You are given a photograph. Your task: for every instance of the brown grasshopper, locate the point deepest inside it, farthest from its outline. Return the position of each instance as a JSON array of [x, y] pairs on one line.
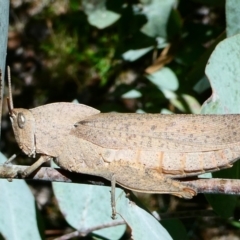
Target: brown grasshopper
[[141, 152]]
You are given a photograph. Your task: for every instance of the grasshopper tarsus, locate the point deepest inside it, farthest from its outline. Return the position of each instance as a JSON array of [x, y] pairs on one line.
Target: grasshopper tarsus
[[113, 200]]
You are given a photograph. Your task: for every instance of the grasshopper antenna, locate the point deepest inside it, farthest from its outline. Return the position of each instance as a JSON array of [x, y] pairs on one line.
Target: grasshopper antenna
[[9, 98]]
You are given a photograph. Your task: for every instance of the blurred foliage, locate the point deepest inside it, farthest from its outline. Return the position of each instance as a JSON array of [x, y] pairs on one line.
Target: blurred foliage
[[119, 56]]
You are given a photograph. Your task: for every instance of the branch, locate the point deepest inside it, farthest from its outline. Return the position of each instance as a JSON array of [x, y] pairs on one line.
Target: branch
[[212, 185], [9, 171], [216, 185], [89, 230]]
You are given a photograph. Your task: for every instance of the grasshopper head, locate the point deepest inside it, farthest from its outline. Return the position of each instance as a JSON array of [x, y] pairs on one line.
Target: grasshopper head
[[23, 125]]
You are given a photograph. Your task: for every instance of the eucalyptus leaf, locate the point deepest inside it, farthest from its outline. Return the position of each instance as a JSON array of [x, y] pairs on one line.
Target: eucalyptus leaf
[[164, 78], [132, 94], [133, 55], [86, 206], [98, 15], [202, 85], [223, 73], [166, 111], [17, 210], [102, 18], [233, 17], [186, 103], [157, 13], [144, 225]]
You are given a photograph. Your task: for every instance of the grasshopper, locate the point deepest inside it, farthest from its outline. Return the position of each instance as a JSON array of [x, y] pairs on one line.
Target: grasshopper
[[141, 152]]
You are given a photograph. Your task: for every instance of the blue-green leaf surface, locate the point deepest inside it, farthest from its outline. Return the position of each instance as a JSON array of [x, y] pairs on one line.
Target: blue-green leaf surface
[[233, 17], [86, 206], [157, 13], [98, 15], [133, 55], [164, 78], [187, 104], [132, 94], [223, 73], [144, 225], [17, 210]]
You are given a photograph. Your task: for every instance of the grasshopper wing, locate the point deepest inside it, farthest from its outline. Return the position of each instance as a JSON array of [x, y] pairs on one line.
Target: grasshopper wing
[[177, 133], [150, 148]]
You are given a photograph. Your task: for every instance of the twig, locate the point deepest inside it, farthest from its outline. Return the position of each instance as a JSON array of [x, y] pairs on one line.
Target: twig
[[213, 185], [216, 185], [89, 230], [8, 171]]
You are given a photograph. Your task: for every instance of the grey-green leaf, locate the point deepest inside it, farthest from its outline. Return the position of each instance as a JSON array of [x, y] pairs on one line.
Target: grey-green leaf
[[164, 78], [144, 225], [157, 13], [87, 206], [17, 210], [132, 94], [133, 55], [98, 15], [233, 17], [223, 72]]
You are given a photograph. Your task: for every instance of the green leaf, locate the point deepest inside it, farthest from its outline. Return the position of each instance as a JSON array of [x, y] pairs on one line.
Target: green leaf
[[202, 85], [175, 228], [186, 103], [98, 15], [102, 18], [164, 78], [17, 210], [133, 55], [233, 17], [166, 111], [157, 13], [87, 206], [132, 94], [144, 225], [197, 71], [223, 73], [174, 24], [223, 205]]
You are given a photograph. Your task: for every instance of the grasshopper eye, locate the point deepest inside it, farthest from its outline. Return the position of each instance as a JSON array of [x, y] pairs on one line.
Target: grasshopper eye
[[21, 120]]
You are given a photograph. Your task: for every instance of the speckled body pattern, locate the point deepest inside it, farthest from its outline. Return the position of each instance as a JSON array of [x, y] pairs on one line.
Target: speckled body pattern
[[145, 152]]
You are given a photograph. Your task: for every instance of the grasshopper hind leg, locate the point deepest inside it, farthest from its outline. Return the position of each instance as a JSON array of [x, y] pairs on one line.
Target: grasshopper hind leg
[[140, 179]]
